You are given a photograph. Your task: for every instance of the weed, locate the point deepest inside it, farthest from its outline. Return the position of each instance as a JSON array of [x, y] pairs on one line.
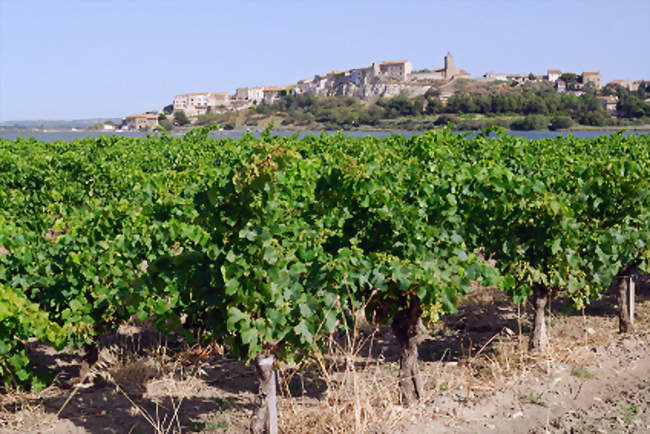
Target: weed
[[531, 398], [582, 372], [222, 405], [628, 412], [210, 425]]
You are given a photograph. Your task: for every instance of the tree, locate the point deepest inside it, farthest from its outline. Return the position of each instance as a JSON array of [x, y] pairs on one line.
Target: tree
[[571, 80], [532, 76], [631, 106], [263, 108], [434, 105], [166, 124], [180, 118], [596, 118], [535, 105]]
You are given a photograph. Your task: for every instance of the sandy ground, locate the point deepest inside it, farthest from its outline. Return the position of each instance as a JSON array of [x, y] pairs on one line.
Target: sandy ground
[[479, 378]]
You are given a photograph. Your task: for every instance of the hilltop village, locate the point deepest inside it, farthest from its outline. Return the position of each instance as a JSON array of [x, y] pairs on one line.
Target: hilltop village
[[380, 80]]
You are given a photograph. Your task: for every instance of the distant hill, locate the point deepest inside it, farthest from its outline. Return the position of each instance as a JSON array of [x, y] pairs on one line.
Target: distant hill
[[76, 123]]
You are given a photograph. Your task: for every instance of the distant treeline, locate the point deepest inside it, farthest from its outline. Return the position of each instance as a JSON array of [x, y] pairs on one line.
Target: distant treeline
[[539, 103]]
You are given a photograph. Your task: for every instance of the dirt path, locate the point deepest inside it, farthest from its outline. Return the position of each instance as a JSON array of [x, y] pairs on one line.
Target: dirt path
[[612, 397]]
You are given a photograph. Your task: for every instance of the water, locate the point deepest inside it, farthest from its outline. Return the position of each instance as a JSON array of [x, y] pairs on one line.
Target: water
[[71, 135]]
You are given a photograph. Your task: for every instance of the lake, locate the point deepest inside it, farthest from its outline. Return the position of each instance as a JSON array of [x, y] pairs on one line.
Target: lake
[[71, 135]]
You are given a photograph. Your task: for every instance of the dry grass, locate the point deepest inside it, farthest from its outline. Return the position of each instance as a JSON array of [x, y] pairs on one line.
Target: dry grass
[[361, 388], [363, 397]]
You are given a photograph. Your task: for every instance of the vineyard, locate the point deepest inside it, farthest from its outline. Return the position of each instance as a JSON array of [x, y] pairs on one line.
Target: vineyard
[[273, 247]]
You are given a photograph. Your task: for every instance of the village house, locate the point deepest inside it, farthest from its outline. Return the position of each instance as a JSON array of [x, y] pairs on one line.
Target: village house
[[609, 102], [495, 76], [398, 69], [592, 77], [553, 75], [251, 94], [272, 93], [627, 84], [307, 85], [142, 121], [199, 103], [518, 78], [191, 103], [361, 76], [219, 100]]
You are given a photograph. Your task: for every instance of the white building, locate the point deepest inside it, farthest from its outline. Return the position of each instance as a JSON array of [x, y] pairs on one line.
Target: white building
[[553, 75], [496, 76], [198, 103], [251, 94]]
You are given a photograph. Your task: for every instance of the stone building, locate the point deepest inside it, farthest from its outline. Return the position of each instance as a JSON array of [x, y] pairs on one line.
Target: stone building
[[397, 69], [251, 94], [609, 102], [592, 77], [193, 104], [199, 103], [448, 72], [272, 93], [219, 100], [143, 121], [362, 76], [627, 84]]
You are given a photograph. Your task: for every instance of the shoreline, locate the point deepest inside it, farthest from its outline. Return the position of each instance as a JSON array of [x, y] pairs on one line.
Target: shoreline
[[581, 128]]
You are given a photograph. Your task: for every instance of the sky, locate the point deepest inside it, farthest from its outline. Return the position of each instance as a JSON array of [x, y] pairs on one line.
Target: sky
[[69, 59]]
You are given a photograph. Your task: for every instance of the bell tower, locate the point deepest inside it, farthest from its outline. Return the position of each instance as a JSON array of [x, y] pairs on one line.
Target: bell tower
[[449, 66]]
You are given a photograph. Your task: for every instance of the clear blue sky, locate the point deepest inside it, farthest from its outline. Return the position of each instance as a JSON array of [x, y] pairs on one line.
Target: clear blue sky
[[70, 59]]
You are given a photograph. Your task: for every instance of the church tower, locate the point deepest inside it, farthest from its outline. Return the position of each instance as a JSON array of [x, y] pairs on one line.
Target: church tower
[[449, 66]]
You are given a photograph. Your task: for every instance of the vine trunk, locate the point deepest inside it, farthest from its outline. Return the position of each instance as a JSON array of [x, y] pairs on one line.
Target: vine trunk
[[265, 415], [407, 326], [539, 339]]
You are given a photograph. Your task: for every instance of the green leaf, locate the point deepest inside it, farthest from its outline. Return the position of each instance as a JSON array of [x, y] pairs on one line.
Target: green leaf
[[270, 255], [303, 330], [249, 234], [234, 316]]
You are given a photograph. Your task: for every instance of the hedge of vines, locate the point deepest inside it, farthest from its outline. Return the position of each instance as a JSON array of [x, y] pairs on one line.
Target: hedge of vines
[[270, 243]]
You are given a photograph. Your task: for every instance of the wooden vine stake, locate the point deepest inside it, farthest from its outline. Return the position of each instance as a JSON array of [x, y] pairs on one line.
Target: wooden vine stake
[[631, 286]]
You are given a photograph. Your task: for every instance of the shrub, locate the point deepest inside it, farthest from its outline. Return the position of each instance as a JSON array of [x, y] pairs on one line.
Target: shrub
[[560, 123], [445, 119], [595, 118], [530, 122]]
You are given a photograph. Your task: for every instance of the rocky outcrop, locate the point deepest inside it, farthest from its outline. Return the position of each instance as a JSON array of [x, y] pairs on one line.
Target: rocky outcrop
[[375, 90]]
